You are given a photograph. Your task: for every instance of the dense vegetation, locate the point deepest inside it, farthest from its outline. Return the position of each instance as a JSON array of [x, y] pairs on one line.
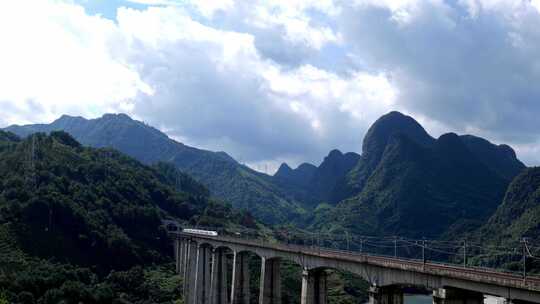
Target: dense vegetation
[[81, 224], [516, 218], [519, 214]]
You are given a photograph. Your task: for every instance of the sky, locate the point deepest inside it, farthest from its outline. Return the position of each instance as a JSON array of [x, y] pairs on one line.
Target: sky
[[272, 81]]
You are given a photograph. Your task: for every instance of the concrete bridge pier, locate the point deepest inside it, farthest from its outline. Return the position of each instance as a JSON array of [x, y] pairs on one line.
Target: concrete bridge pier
[[202, 276], [177, 258], [190, 271], [240, 292], [179, 254], [314, 287], [457, 296], [385, 295], [218, 285], [270, 288]]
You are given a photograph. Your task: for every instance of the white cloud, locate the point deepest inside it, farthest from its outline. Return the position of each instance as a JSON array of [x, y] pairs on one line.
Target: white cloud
[[243, 102], [59, 59], [469, 66], [278, 80], [297, 24]]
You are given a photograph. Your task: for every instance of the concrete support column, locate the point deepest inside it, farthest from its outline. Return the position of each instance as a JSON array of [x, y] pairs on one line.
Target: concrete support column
[[202, 276], [385, 295], [456, 296], [184, 255], [176, 249], [314, 287], [190, 271], [240, 293], [179, 256], [218, 285], [270, 288]]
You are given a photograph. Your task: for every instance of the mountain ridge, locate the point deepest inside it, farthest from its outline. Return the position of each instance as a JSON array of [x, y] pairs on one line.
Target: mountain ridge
[[409, 183], [340, 178], [227, 179]]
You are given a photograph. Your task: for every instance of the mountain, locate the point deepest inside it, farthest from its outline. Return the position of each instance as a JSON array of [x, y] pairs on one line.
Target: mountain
[[226, 179], [299, 177], [313, 185], [452, 183], [408, 183], [326, 181], [77, 224], [375, 142]]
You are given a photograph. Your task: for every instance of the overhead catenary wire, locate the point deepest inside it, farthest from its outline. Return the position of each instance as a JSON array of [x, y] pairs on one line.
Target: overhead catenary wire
[[463, 252]]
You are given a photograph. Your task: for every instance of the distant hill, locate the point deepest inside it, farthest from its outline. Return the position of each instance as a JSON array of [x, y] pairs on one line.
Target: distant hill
[[226, 178], [408, 183], [314, 185], [298, 177]]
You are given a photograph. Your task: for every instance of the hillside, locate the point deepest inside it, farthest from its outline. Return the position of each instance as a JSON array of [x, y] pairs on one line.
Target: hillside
[[499, 158], [226, 179], [78, 222], [408, 183], [519, 214]]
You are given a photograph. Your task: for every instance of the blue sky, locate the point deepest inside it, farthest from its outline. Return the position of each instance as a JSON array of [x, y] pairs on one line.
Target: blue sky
[[106, 8], [272, 81]]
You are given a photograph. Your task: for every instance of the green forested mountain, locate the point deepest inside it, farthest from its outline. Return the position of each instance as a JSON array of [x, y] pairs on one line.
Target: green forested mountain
[[375, 142], [408, 183], [450, 184], [77, 223], [226, 178]]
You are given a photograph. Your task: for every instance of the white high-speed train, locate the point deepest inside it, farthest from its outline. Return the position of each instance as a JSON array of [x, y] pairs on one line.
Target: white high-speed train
[[173, 226], [199, 231]]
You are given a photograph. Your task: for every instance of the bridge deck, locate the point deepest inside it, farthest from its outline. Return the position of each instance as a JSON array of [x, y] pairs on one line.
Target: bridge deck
[[488, 276]]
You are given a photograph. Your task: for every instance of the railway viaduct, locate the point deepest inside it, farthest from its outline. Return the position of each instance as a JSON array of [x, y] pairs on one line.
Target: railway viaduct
[[202, 260]]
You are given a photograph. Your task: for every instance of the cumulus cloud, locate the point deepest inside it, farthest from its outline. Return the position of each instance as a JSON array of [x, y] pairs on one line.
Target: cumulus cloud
[[272, 81], [54, 58], [214, 89], [207, 86]]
